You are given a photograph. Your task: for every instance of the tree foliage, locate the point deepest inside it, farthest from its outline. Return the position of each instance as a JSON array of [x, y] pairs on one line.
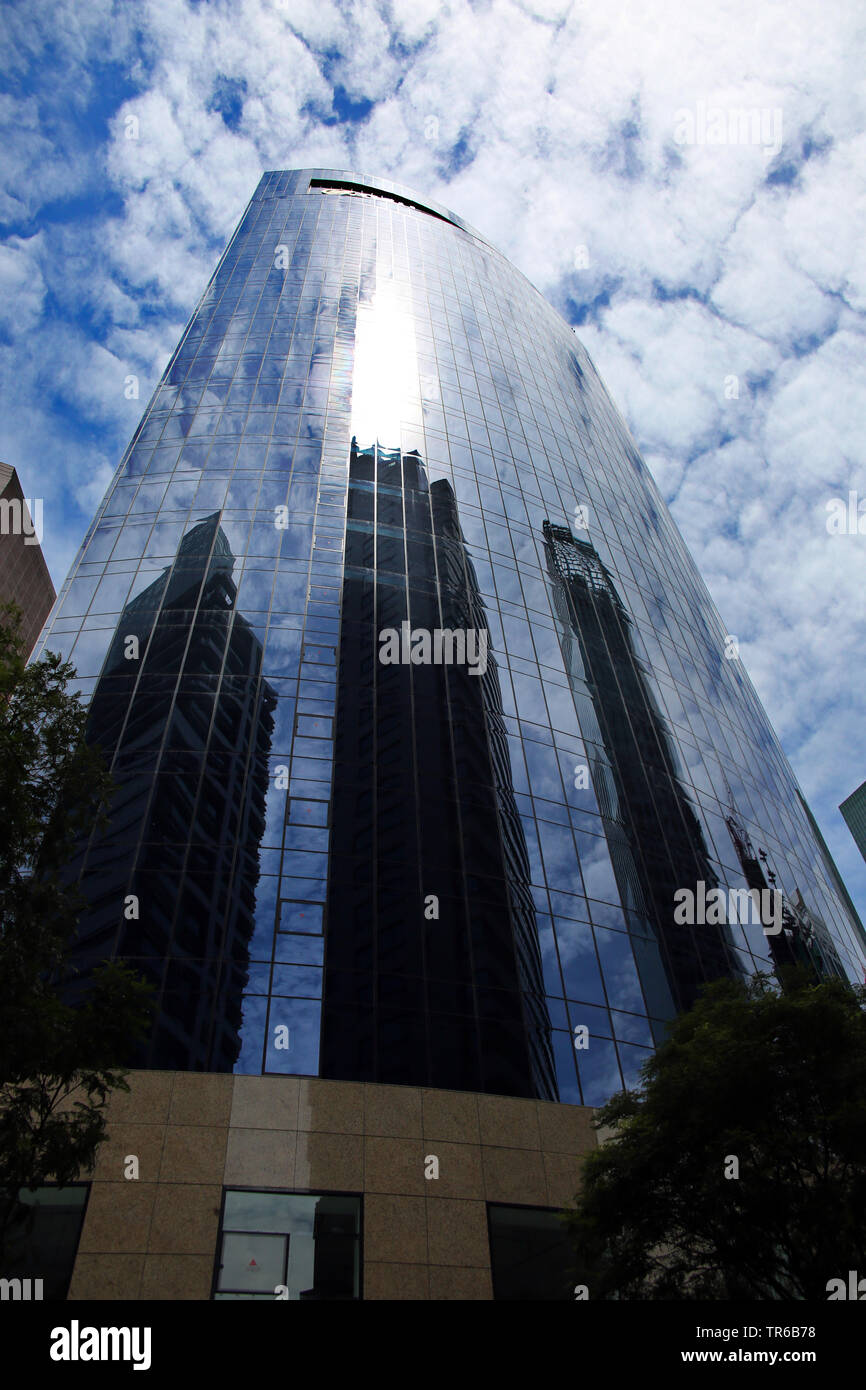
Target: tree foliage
[[772, 1078], [58, 1063]]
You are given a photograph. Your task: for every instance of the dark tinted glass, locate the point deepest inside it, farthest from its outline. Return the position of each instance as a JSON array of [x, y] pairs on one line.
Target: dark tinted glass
[[40, 1238], [294, 1246], [529, 1254]]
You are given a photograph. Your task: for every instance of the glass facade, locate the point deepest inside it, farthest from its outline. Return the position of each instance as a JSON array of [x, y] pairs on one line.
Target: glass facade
[[40, 1234], [853, 809], [531, 1257], [298, 1247], [419, 711]]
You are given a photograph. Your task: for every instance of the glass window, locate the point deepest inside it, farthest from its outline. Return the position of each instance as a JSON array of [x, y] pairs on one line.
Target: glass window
[[530, 1255], [295, 1246], [41, 1231]]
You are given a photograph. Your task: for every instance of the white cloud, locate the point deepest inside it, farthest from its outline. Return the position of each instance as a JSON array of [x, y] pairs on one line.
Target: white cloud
[[565, 118], [22, 287]]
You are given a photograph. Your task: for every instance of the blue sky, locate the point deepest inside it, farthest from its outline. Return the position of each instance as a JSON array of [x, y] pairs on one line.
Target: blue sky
[[686, 183]]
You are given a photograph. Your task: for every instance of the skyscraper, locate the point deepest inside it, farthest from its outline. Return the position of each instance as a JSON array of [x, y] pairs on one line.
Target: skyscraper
[[421, 718]]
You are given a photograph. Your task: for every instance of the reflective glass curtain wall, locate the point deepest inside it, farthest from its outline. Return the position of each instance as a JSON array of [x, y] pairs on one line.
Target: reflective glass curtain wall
[[409, 870]]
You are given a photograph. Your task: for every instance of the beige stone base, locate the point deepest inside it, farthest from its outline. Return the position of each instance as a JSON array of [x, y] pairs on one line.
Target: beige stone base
[[422, 1238]]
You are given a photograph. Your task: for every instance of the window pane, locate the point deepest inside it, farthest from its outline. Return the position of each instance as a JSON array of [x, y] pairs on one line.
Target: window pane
[[530, 1255], [42, 1238], [309, 1243], [252, 1263]]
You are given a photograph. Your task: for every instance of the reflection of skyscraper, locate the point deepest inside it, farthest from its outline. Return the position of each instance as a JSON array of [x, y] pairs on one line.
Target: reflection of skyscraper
[[435, 923], [433, 968], [802, 937], [184, 718], [656, 842]]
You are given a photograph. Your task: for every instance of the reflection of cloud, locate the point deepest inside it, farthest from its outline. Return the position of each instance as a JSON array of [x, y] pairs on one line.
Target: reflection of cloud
[[702, 262], [275, 811], [632, 1059], [596, 868], [560, 858], [618, 967], [580, 970], [254, 1012], [599, 1071], [302, 1017]]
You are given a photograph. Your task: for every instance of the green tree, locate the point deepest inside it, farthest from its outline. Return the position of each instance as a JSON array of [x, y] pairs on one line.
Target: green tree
[[58, 1063], [763, 1082]]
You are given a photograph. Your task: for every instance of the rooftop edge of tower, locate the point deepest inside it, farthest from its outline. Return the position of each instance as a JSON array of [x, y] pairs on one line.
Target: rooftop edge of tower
[[299, 181]]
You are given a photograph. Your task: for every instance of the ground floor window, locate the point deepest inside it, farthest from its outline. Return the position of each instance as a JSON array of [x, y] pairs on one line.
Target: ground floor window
[[39, 1234], [530, 1255], [289, 1245]]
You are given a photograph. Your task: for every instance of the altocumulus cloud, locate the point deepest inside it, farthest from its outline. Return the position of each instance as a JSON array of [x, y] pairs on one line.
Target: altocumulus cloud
[[721, 288]]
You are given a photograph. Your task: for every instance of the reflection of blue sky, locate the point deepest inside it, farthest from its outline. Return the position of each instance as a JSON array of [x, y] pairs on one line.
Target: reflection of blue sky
[[283, 717], [560, 859], [599, 1071], [306, 889], [547, 947], [543, 766], [595, 865], [301, 916], [282, 651], [632, 1059], [254, 593], [258, 977], [631, 1028], [90, 650], [563, 1053], [293, 948], [536, 871], [569, 905], [297, 980], [262, 939], [275, 812], [302, 1017], [254, 1012], [551, 811], [306, 837], [305, 863], [580, 968], [266, 901], [592, 1016], [290, 591], [620, 971], [314, 770]]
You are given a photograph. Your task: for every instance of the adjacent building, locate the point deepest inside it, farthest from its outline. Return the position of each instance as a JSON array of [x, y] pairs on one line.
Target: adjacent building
[[421, 716], [853, 809], [24, 577]]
